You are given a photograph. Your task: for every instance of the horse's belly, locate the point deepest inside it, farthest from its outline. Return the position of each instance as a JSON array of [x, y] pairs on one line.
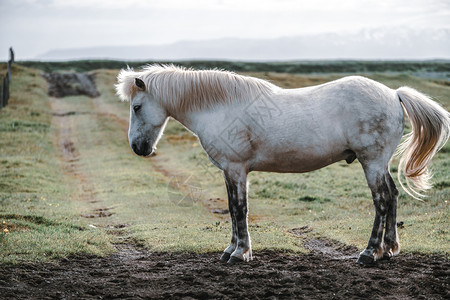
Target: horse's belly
[[299, 161]]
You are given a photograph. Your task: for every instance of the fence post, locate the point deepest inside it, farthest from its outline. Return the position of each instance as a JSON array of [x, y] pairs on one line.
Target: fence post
[[1, 94], [4, 86], [11, 55], [8, 72], [5, 91]]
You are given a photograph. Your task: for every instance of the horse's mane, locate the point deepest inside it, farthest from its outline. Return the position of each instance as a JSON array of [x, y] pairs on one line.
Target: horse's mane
[[188, 89]]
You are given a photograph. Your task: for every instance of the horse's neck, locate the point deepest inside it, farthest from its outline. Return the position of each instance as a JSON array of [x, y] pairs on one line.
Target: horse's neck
[[189, 120], [180, 116], [200, 121]]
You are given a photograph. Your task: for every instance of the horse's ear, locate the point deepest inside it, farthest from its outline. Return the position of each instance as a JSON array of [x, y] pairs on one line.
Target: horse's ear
[[140, 84]]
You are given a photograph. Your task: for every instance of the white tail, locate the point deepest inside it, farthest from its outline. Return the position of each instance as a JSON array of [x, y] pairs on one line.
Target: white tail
[[430, 131]]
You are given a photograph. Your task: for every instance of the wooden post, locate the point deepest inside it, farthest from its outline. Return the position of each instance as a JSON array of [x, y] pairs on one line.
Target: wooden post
[[10, 62], [8, 82], [1, 94], [5, 91], [11, 55], [8, 72], [4, 87]]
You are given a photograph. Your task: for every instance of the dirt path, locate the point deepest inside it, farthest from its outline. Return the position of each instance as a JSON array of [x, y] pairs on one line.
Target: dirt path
[[64, 120]]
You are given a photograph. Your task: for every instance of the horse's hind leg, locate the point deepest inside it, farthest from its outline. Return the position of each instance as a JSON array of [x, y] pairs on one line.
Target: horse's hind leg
[[377, 176], [391, 242]]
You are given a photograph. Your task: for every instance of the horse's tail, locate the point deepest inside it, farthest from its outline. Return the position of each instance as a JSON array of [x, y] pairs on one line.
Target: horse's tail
[[430, 131]]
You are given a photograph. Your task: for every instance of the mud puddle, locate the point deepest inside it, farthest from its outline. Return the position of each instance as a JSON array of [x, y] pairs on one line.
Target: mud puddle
[[321, 246]]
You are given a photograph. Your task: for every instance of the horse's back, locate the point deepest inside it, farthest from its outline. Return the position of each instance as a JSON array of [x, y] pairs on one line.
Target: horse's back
[[346, 92], [323, 124], [350, 102]]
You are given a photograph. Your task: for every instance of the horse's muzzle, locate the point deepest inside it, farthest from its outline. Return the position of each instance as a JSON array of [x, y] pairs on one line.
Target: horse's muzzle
[[143, 149]]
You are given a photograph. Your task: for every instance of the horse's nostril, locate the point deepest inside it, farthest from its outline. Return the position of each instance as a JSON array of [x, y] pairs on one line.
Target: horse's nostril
[[145, 148], [141, 149]]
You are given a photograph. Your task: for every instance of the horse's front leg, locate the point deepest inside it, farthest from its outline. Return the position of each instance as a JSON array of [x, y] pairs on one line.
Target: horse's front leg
[[240, 247], [230, 249]]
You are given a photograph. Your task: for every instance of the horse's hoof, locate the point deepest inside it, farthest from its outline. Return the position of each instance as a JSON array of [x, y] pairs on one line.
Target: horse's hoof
[[234, 261], [365, 260], [225, 257], [386, 257]]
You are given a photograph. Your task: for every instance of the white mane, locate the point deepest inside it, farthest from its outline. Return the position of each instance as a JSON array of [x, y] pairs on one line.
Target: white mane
[[188, 89]]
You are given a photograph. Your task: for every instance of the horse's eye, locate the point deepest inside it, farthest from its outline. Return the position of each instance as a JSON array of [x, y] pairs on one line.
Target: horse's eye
[[136, 107]]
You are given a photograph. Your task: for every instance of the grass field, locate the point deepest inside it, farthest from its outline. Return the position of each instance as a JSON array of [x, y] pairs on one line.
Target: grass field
[[70, 184]]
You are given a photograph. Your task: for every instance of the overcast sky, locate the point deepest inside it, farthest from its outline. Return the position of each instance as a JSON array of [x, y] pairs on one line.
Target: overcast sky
[[33, 27]]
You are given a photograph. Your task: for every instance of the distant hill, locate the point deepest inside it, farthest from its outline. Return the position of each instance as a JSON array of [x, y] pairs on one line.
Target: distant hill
[[380, 43]]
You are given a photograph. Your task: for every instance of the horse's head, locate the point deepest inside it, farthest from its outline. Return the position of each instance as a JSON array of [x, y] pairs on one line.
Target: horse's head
[[147, 120]]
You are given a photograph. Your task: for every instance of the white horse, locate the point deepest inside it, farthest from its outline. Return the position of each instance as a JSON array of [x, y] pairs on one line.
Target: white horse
[[247, 124]]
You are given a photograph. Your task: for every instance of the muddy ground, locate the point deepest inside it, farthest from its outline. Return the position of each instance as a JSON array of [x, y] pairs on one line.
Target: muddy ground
[[138, 274]]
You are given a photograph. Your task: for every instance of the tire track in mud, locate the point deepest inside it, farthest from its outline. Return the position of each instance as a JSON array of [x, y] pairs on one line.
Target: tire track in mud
[[328, 248], [64, 121]]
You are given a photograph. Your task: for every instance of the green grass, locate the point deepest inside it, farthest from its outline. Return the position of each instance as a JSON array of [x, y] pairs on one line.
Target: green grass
[[37, 219], [42, 199]]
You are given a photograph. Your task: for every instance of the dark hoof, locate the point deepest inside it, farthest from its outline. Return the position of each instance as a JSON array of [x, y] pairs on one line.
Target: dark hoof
[[225, 257], [366, 260], [234, 261], [386, 257]]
